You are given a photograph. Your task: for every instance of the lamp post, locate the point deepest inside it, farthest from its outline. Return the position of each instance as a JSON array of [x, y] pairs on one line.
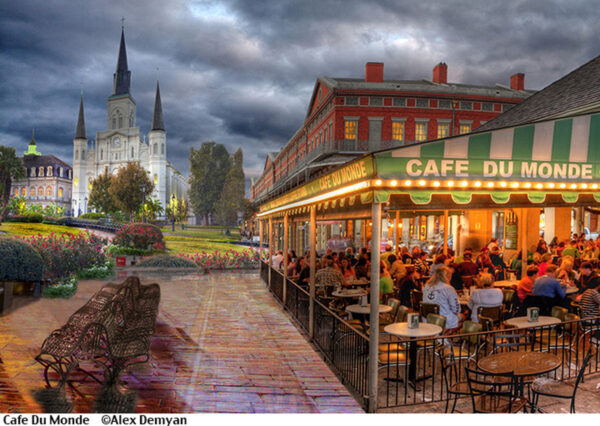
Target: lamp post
[[173, 210], [144, 202]]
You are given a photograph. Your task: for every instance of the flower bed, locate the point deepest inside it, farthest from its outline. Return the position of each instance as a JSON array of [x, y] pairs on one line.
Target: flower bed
[[141, 236], [229, 259]]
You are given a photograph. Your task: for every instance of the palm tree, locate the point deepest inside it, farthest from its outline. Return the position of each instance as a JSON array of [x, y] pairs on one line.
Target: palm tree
[[11, 168]]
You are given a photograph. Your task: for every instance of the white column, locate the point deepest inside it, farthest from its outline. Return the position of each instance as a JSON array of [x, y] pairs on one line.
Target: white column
[[446, 232], [285, 255], [374, 314], [270, 248], [313, 267], [549, 223]]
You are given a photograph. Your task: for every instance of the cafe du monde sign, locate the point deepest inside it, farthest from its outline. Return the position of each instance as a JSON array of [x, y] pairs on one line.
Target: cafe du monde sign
[[493, 169]]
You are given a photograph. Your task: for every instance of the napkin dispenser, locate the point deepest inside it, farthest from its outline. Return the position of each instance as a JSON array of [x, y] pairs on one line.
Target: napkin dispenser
[[413, 320], [364, 300], [533, 314]]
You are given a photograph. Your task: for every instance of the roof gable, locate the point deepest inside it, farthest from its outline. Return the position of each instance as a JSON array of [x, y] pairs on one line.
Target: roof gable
[[320, 92]]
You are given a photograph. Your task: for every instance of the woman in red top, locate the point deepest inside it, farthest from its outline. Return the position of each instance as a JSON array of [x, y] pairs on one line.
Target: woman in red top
[[347, 269], [525, 286]]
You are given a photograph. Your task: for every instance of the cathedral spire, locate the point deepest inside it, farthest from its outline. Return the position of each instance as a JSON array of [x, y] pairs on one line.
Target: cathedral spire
[[157, 118], [122, 76], [80, 130]]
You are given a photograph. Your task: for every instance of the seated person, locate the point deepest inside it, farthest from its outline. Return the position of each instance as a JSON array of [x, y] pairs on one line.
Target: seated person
[[588, 278], [590, 303], [387, 253], [398, 270], [437, 291], [525, 286], [408, 283], [467, 267], [485, 295], [362, 269], [546, 260], [421, 264], [386, 284], [347, 269], [484, 263], [566, 272], [329, 276], [499, 265], [548, 286]]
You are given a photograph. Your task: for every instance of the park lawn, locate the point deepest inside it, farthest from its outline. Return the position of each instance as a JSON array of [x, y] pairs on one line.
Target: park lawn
[[29, 229], [191, 245], [205, 232]]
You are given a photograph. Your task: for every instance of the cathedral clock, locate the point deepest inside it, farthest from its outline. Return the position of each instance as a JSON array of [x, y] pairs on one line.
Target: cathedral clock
[[116, 142]]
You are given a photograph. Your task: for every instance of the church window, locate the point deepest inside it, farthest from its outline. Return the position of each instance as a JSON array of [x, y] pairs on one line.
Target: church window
[[155, 179], [116, 156], [41, 171], [155, 149], [83, 154], [120, 122], [24, 192], [49, 171], [132, 153], [16, 192], [114, 123], [49, 191], [60, 192], [32, 191], [40, 192], [162, 148], [76, 154], [101, 154]]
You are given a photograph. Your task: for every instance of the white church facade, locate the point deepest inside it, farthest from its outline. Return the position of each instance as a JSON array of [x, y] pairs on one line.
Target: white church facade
[[120, 144]]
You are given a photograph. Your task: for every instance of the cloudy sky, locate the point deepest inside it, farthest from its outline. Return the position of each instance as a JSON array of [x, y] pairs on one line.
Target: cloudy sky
[[241, 72]]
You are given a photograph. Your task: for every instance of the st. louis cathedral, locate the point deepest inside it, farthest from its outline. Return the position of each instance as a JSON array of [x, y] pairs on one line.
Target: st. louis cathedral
[[120, 143]]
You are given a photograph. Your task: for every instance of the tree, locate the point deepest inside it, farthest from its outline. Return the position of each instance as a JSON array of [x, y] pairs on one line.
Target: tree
[[182, 211], [129, 188], [152, 209], [100, 196], [208, 167], [231, 200], [11, 168]]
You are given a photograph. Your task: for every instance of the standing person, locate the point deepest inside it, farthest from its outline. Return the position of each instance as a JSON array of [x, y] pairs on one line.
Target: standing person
[[485, 295], [525, 286], [438, 291], [484, 262]]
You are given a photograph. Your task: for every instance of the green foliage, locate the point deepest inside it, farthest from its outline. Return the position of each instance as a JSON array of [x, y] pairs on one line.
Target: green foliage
[[17, 205], [28, 229], [93, 216], [129, 188], [231, 199], [97, 271], [209, 166], [20, 261], [63, 290], [143, 236], [27, 218], [11, 169], [152, 209], [113, 250], [166, 261], [101, 198]]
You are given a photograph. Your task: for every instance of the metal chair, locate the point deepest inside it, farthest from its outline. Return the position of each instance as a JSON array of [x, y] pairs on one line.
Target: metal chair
[[495, 313], [494, 392], [508, 296], [558, 388], [511, 339], [428, 308]]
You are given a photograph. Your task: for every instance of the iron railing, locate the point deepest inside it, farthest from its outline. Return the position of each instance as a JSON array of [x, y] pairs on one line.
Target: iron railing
[[440, 362], [297, 302]]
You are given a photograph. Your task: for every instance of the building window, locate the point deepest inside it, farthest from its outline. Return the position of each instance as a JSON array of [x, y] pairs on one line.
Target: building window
[[444, 104], [397, 130], [60, 172], [376, 101], [41, 172], [76, 154], [116, 155], [16, 192], [40, 192], [60, 192], [466, 105], [162, 148], [155, 149], [487, 106], [49, 171], [443, 130], [83, 154], [132, 153], [155, 179], [464, 128], [350, 130], [422, 103], [24, 192], [399, 102], [70, 173], [114, 123], [351, 100], [49, 191], [420, 131], [101, 154], [120, 122], [506, 107]]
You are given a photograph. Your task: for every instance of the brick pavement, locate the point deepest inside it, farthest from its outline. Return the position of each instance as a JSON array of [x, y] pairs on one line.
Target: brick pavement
[[222, 345]]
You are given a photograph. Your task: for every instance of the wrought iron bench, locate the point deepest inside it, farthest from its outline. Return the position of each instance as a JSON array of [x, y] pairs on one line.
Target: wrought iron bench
[[113, 329]]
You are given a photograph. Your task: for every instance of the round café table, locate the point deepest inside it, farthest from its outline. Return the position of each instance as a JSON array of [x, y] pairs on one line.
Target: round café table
[[505, 284], [363, 311], [349, 293], [571, 290], [401, 329], [522, 322], [521, 363]]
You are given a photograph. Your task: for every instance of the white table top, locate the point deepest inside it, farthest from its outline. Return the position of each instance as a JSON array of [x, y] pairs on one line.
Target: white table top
[[349, 293], [572, 289], [505, 283], [359, 282], [357, 309], [401, 329], [521, 322]]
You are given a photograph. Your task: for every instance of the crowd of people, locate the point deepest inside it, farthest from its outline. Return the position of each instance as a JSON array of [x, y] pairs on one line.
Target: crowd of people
[[551, 269]]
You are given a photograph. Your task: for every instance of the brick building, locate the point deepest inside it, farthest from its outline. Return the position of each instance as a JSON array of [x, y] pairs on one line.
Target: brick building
[[348, 117]]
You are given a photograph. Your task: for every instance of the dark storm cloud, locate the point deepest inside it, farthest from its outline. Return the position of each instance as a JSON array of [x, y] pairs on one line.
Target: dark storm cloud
[[242, 72]]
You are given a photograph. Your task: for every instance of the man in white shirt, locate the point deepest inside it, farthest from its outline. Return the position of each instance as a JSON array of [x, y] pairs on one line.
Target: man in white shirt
[[277, 259], [487, 296]]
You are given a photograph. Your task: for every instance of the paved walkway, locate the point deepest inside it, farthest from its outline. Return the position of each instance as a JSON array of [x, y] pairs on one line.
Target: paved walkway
[[222, 345]]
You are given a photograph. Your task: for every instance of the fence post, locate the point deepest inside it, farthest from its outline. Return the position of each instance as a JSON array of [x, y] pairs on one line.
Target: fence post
[[313, 267], [374, 314]]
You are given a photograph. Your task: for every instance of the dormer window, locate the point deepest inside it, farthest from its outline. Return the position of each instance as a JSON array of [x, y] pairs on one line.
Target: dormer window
[[41, 172], [49, 171]]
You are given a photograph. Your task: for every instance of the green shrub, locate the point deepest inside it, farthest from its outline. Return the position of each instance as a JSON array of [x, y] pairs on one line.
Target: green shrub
[[63, 290], [97, 271], [113, 250], [167, 261], [19, 261], [94, 216], [27, 218], [143, 236]]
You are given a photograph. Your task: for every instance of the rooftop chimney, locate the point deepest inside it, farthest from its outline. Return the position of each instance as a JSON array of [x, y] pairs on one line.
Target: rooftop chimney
[[374, 72], [440, 73], [517, 81]]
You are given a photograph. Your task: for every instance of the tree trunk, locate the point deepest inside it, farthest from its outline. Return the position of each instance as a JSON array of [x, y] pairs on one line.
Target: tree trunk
[[5, 194]]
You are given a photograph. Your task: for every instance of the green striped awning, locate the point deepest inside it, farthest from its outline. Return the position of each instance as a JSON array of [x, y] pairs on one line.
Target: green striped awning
[[562, 150]]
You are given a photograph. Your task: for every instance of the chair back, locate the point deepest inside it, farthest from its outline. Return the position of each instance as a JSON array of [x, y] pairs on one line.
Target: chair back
[[541, 302], [470, 327], [437, 320], [559, 312], [491, 392], [401, 314], [492, 312], [507, 296], [429, 308], [416, 297], [576, 308], [486, 323], [511, 340], [394, 304], [584, 366]]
